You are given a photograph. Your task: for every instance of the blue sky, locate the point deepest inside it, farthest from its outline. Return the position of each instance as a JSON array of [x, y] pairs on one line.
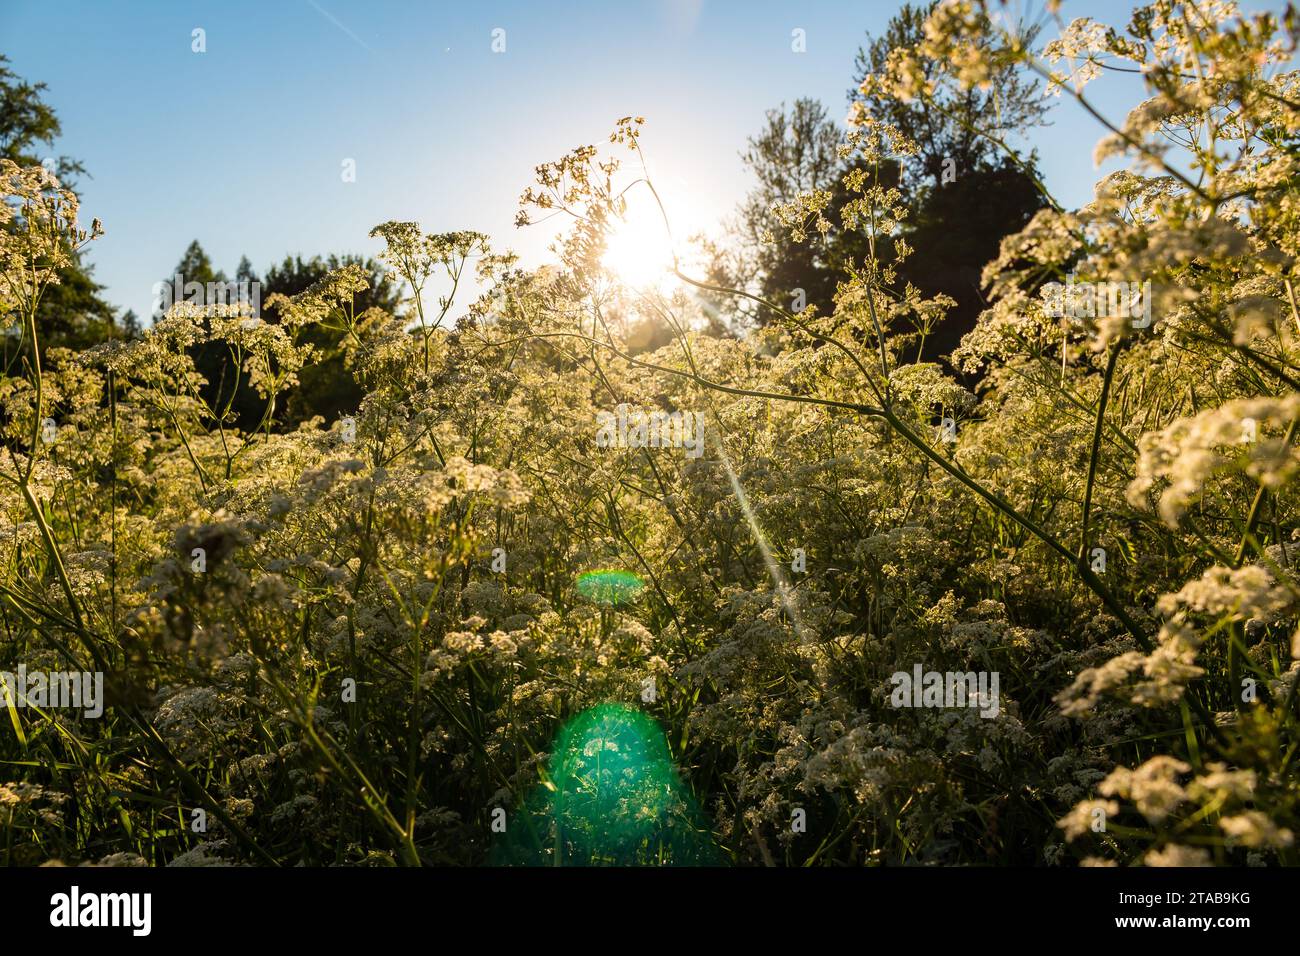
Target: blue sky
[[242, 146]]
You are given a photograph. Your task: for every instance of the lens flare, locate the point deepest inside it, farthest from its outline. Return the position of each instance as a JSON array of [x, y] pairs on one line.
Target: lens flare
[[610, 587], [612, 797]]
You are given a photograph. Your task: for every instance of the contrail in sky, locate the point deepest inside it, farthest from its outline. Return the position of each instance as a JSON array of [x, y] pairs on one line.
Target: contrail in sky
[[331, 18]]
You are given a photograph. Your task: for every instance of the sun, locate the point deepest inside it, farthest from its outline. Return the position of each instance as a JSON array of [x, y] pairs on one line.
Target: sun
[[638, 252]]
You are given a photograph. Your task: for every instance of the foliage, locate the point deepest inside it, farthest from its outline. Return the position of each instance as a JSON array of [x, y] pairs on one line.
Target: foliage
[[963, 190], [346, 663], [72, 312]]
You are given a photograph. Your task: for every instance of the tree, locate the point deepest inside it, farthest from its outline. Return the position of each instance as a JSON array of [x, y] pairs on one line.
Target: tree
[[954, 232], [130, 325], [955, 127], [966, 194], [796, 153], [72, 313], [325, 386], [212, 360], [196, 266], [26, 121]]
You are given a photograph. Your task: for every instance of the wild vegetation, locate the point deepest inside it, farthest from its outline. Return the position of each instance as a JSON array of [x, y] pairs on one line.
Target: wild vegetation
[[353, 636]]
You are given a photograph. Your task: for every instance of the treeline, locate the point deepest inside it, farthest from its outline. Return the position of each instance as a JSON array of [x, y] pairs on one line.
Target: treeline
[[74, 314], [966, 195]]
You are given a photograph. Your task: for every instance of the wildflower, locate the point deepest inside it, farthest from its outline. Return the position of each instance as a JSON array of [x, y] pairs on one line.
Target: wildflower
[[1174, 854], [1153, 787], [1254, 829], [1188, 452], [1218, 782], [1083, 817]]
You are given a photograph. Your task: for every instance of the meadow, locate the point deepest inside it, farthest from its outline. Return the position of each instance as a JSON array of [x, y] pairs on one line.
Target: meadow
[[782, 596]]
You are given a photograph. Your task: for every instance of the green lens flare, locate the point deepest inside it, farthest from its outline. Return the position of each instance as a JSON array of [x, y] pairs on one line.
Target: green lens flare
[[612, 798], [610, 587]]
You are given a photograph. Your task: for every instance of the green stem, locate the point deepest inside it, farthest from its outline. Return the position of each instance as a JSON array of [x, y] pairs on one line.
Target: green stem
[[1095, 454]]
